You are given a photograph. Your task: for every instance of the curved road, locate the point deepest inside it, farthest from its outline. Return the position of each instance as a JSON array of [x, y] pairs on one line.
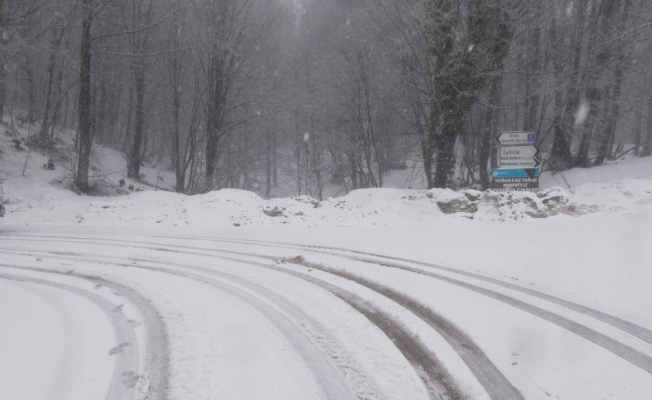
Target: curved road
[[345, 330]]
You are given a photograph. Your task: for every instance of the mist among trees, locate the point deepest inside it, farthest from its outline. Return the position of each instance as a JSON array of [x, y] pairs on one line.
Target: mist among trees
[[289, 97]]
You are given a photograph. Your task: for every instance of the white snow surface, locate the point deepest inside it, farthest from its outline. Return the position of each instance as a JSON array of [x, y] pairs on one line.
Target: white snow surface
[[44, 328], [241, 331]]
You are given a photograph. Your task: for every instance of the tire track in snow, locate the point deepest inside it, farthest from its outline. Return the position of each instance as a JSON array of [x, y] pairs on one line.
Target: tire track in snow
[[425, 363], [422, 359], [315, 331], [490, 377], [641, 360], [631, 328], [619, 323], [152, 385], [157, 363], [427, 366], [431, 371], [620, 349], [616, 347], [326, 376], [612, 345], [627, 353]]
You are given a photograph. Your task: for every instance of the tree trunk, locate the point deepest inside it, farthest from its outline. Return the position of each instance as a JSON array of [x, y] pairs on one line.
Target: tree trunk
[[176, 139], [465, 73], [363, 131], [101, 109], [57, 36], [646, 146], [84, 134], [3, 81], [354, 171], [534, 70], [593, 98], [599, 53], [646, 150], [128, 121], [489, 133], [560, 157], [31, 90], [135, 157], [560, 146], [371, 135], [215, 116], [297, 146], [428, 148], [274, 161], [67, 117], [61, 99], [445, 148], [609, 133], [638, 126], [3, 59], [190, 150], [268, 164]]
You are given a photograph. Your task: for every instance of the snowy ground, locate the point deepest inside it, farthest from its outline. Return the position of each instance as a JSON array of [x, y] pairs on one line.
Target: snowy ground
[[380, 294]]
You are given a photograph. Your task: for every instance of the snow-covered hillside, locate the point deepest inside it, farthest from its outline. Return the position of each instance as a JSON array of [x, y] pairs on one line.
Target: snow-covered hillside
[[34, 195]]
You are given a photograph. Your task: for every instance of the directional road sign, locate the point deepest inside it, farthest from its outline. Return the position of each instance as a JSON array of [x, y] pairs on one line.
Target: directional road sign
[[518, 152], [516, 138], [519, 163], [519, 184], [516, 173]]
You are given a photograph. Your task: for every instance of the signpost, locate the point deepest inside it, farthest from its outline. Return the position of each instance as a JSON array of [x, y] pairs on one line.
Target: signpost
[[516, 173], [516, 138], [519, 184], [527, 151], [518, 165]]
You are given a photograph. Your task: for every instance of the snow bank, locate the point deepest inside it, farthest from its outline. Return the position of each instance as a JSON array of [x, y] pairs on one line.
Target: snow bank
[[33, 204], [34, 195]]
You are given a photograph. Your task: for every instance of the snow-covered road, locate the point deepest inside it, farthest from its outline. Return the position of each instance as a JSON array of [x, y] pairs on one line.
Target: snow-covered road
[[55, 334], [160, 315]]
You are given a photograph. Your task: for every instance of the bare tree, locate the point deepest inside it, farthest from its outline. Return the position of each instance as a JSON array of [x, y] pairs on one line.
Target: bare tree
[[230, 35], [138, 17], [84, 134], [57, 34]]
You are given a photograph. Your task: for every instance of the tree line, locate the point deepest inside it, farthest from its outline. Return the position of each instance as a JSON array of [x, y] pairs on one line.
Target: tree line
[[292, 96]]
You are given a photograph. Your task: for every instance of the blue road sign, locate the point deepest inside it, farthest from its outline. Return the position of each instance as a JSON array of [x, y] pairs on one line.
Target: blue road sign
[[516, 173]]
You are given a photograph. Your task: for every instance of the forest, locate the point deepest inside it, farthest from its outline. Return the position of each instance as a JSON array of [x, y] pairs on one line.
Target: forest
[[288, 97]]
